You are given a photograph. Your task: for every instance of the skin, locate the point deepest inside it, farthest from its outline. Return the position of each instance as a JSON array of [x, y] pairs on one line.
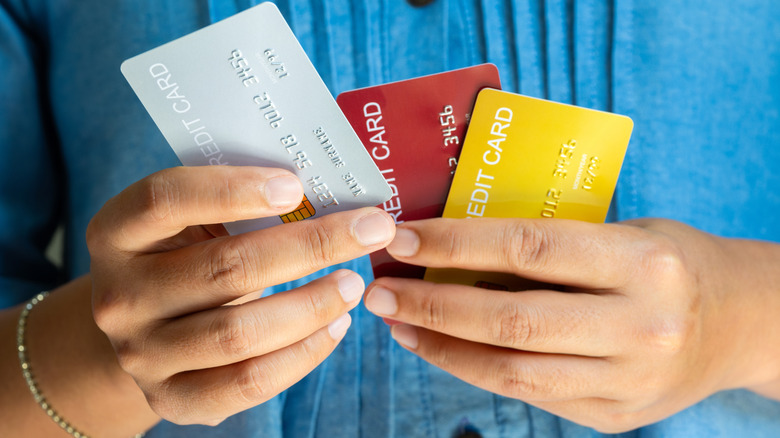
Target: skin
[[178, 331], [641, 320], [651, 317]]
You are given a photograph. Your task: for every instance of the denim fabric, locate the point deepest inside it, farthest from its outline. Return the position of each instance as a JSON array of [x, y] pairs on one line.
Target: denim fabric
[[700, 80]]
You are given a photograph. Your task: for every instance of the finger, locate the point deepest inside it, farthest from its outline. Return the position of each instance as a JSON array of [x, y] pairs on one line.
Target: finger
[[165, 203], [556, 251], [220, 270], [190, 236], [231, 334], [598, 413], [541, 320], [208, 396], [522, 375], [611, 416]]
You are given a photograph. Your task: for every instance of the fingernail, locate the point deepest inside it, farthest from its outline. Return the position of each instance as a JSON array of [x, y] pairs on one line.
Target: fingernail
[[405, 335], [351, 287], [339, 327], [405, 244], [374, 228], [283, 191], [381, 301]]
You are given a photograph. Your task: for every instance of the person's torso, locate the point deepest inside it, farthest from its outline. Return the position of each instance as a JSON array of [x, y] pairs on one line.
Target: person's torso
[[701, 83]]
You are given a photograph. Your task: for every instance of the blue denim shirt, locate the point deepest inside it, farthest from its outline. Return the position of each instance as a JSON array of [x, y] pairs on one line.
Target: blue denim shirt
[[702, 83]]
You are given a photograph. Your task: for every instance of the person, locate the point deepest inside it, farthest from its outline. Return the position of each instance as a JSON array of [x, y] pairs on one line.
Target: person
[[664, 327]]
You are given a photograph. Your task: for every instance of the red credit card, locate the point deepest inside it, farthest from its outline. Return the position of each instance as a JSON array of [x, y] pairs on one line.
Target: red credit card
[[414, 130]]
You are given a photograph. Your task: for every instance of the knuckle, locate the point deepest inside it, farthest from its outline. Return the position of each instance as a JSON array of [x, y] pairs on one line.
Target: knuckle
[[129, 357], [454, 246], [167, 400], [312, 351], [109, 308], [519, 326], [319, 244], [101, 228], [103, 315], [666, 261], [527, 246], [234, 191], [158, 194], [254, 384], [229, 190], [518, 382], [670, 332], [229, 266], [317, 306], [441, 355], [234, 333], [670, 335], [432, 313], [161, 407], [165, 403]]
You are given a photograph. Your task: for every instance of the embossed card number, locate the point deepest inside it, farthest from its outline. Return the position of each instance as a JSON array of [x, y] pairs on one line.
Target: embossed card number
[[243, 92], [414, 130], [532, 158]]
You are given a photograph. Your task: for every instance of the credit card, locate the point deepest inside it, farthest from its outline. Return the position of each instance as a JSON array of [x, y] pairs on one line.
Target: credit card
[[532, 158], [243, 92], [414, 130]]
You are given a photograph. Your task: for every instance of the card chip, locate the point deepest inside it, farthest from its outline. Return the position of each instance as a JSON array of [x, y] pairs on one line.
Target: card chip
[[303, 211]]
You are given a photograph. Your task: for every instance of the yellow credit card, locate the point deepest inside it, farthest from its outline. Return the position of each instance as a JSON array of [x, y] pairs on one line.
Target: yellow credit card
[[532, 158]]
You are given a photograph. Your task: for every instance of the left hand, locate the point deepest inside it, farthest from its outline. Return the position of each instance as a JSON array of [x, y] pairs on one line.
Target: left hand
[[650, 317]]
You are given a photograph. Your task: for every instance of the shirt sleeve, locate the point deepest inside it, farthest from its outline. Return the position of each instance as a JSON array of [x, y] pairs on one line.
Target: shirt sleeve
[[31, 183]]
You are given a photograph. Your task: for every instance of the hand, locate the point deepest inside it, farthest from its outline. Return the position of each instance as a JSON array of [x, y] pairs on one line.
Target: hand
[[161, 282], [648, 317]]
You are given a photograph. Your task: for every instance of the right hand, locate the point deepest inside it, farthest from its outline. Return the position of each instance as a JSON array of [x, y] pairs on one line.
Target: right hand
[[162, 281]]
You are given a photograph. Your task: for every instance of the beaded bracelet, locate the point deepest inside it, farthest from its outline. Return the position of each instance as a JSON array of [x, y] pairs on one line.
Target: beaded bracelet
[[28, 374]]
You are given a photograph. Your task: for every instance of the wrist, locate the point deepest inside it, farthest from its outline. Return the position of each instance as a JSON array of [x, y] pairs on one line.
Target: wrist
[[75, 367], [755, 301]]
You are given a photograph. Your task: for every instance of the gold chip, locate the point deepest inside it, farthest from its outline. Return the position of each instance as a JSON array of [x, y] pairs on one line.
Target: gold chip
[[304, 211]]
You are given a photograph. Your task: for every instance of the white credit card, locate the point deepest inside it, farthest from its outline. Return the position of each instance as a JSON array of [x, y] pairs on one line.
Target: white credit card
[[243, 92]]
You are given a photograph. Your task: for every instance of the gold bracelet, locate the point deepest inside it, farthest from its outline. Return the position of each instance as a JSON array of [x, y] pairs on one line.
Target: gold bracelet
[[28, 374]]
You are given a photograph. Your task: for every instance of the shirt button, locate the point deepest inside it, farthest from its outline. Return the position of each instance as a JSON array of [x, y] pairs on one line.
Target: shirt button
[[466, 430], [419, 3]]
